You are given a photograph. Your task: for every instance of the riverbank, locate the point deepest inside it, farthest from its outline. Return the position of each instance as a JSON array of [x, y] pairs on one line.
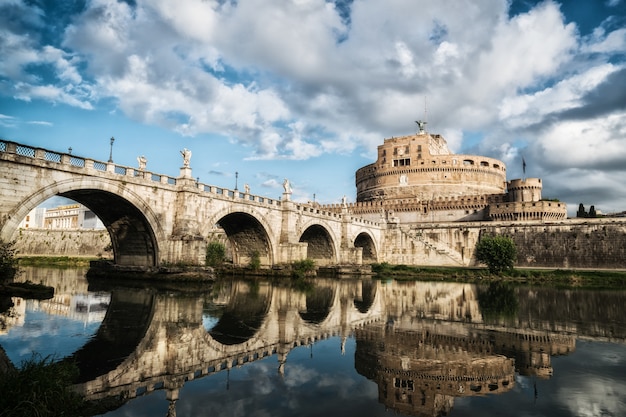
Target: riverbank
[[56, 261], [544, 277]]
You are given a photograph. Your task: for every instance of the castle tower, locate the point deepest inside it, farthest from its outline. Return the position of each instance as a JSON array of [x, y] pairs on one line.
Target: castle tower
[[528, 189]]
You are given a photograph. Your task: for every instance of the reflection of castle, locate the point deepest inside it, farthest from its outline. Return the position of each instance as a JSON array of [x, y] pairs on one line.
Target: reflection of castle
[[417, 179], [417, 373]]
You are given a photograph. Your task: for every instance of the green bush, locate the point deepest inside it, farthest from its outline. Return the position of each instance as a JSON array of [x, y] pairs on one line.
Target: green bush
[[215, 252], [497, 252], [255, 261], [300, 269]]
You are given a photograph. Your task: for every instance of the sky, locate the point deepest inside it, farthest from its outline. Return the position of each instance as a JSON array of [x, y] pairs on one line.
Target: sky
[[262, 90]]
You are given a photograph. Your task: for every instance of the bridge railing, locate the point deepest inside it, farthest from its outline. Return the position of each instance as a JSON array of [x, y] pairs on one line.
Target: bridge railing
[[87, 164], [236, 194], [91, 165]]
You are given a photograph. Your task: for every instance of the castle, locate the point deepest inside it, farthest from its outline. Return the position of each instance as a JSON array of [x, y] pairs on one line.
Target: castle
[[416, 179]]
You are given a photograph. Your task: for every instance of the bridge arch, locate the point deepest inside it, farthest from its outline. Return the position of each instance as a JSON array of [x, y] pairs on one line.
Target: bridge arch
[[364, 240], [133, 227], [318, 302], [321, 244], [247, 234], [243, 316]]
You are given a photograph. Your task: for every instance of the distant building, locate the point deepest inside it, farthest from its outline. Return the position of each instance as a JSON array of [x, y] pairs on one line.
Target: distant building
[[34, 219], [71, 216]]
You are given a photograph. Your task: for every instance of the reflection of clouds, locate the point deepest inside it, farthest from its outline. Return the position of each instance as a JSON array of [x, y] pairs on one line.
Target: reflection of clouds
[[261, 373], [594, 396], [297, 375]]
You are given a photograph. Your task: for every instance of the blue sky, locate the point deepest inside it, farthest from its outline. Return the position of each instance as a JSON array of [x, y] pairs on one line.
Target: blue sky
[[306, 89]]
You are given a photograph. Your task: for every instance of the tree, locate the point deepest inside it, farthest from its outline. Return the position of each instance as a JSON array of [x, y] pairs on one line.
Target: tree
[[8, 261], [497, 252]]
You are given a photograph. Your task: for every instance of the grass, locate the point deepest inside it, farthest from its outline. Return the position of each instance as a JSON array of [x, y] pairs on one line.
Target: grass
[[54, 261], [40, 387]]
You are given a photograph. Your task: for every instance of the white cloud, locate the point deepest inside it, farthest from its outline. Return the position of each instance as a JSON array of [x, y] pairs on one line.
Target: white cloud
[[293, 80]]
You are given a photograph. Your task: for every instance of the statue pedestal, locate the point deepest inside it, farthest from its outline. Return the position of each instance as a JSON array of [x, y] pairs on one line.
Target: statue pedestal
[[185, 172]]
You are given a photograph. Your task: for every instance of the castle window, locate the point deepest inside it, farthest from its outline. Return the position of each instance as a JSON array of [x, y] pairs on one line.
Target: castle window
[[484, 164], [419, 156], [419, 148], [468, 162], [496, 166]]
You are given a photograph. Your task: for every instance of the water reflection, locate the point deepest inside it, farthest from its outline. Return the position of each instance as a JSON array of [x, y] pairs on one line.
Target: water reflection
[[417, 348], [57, 326]]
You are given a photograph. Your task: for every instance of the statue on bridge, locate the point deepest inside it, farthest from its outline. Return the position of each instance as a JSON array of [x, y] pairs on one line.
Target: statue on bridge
[[142, 162], [287, 186], [186, 153]]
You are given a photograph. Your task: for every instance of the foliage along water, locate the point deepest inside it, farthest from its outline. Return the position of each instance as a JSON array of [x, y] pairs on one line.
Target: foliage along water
[[334, 347]]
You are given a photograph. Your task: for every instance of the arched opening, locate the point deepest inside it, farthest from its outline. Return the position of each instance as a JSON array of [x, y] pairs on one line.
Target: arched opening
[[363, 240], [318, 305], [368, 294], [124, 326], [247, 239], [320, 245], [240, 319], [60, 226], [132, 238]]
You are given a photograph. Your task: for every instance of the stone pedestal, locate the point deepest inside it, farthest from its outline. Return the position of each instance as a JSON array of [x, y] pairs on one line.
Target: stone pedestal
[[185, 172]]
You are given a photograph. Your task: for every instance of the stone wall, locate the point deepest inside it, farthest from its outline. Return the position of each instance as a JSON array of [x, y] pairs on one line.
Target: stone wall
[[595, 243], [568, 244], [73, 242]]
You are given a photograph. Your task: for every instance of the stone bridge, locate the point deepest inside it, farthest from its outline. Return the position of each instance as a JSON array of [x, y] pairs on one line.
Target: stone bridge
[[155, 220]]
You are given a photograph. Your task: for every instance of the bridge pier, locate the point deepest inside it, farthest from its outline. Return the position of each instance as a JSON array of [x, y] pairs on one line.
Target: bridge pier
[[186, 243]]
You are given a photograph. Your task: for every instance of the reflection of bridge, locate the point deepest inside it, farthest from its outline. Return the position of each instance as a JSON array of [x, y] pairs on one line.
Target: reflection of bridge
[[154, 219], [423, 343], [165, 343]]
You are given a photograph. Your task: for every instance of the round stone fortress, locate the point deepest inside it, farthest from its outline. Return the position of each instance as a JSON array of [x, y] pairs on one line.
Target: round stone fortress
[[417, 179], [421, 166]]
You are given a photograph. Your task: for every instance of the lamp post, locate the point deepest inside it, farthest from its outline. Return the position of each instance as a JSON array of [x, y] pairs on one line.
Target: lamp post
[[236, 177], [111, 152], [69, 150]]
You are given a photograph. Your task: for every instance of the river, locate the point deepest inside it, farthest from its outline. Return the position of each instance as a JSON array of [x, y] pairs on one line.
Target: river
[[331, 347]]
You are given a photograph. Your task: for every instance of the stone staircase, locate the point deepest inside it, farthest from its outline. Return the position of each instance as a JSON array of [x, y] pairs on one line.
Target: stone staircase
[[440, 248]]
